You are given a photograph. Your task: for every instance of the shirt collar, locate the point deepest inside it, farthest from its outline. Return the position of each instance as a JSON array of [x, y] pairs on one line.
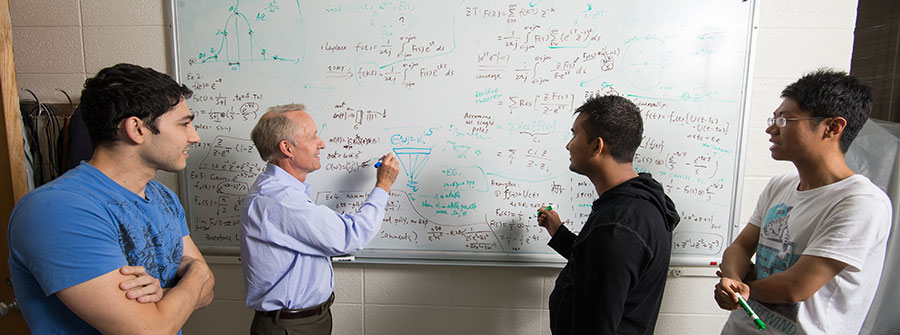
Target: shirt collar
[[282, 176]]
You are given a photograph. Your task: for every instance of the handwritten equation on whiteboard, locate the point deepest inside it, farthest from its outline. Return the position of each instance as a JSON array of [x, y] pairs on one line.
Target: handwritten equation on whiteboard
[[476, 99]]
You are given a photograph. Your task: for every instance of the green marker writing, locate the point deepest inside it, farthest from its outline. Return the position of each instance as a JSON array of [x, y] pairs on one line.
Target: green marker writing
[[549, 208], [759, 324]]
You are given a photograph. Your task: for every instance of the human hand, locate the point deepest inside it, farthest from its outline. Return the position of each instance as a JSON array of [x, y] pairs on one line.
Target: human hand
[[143, 288], [727, 290], [548, 219], [387, 173]]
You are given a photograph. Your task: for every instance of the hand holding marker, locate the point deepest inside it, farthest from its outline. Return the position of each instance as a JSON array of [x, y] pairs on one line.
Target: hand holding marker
[[377, 164], [549, 208], [759, 324]]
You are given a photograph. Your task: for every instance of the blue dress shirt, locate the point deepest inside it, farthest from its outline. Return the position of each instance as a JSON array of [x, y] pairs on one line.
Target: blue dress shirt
[[286, 241]]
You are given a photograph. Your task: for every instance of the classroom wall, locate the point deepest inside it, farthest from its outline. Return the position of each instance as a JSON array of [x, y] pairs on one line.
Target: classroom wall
[[59, 43]]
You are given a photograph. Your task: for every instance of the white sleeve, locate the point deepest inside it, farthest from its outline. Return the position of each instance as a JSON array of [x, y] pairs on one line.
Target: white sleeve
[[762, 202], [851, 228]]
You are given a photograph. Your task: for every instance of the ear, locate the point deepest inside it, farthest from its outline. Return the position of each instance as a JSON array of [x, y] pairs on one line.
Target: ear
[[286, 149], [133, 129], [598, 146], [835, 127]]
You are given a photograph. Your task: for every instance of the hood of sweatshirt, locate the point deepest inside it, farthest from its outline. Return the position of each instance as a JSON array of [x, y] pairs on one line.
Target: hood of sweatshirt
[[645, 187]]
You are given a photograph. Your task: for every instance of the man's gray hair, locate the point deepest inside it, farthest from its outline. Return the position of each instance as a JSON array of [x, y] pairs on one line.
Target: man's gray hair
[[272, 128]]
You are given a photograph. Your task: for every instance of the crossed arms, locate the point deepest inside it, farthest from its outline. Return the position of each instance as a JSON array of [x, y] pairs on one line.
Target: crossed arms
[[799, 282], [143, 308]]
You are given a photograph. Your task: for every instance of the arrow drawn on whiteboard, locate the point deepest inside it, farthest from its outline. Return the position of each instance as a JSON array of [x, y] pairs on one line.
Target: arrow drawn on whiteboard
[[295, 61], [584, 83]]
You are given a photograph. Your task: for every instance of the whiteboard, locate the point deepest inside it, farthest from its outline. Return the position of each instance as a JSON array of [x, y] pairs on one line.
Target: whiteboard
[[476, 99]]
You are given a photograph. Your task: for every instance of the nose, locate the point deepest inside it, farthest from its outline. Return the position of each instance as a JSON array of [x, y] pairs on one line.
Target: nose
[[321, 144], [193, 136], [771, 130]]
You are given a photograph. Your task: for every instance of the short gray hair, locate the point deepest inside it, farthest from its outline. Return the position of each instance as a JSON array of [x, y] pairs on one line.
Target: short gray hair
[[272, 128]]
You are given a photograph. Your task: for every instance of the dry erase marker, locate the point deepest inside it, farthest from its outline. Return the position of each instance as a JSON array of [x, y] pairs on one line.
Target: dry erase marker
[[378, 163], [549, 208], [343, 258], [759, 324]]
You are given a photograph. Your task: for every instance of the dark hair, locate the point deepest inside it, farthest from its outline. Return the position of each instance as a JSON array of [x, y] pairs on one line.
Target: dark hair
[[123, 91], [828, 93], [617, 120]]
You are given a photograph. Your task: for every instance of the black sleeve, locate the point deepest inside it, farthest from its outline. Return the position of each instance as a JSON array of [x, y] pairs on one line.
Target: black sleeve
[[562, 241], [608, 266]]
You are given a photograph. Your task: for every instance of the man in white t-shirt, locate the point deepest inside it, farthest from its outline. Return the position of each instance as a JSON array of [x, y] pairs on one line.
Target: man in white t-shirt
[[819, 236]]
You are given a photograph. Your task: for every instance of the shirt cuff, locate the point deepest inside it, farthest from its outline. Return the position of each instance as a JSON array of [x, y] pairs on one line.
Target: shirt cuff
[[378, 197], [562, 240]]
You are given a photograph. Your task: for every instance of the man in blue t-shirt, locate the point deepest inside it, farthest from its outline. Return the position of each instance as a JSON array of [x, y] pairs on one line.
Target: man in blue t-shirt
[[105, 248]]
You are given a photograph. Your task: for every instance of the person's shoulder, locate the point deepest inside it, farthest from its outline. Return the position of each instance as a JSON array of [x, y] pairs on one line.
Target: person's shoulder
[[60, 209], [278, 186], [70, 188], [861, 183], [859, 186]]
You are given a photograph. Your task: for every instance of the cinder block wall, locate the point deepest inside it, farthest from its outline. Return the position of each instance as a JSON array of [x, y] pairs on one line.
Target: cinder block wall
[[59, 43]]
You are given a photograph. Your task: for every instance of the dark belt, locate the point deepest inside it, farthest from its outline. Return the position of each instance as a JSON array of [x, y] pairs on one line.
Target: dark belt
[[300, 313]]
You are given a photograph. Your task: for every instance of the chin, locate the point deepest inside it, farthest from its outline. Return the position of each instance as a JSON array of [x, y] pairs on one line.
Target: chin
[[173, 167], [776, 155]]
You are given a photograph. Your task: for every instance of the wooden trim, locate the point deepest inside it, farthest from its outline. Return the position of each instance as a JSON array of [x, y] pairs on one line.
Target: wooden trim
[[12, 119], [13, 182]]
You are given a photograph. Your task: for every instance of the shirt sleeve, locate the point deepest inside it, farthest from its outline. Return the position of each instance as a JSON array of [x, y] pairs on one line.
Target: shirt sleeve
[[762, 203], [850, 230], [608, 265], [66, 243], [293, 221], [562, 241]]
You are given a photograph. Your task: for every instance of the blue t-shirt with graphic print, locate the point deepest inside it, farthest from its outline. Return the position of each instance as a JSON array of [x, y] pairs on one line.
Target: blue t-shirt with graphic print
[[82, 226]]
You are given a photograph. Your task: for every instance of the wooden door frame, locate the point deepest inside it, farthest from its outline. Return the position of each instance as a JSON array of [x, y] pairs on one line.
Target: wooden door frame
[[13, 178]]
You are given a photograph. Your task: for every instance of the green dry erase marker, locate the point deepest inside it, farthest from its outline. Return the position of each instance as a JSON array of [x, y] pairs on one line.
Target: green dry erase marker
[[759, 324], [549, 208]]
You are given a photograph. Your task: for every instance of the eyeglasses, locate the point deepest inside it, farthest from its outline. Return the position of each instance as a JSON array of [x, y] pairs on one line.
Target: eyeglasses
[[781, 121]]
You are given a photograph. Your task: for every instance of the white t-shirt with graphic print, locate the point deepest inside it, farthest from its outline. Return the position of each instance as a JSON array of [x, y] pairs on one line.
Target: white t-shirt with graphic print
[[848, 221]]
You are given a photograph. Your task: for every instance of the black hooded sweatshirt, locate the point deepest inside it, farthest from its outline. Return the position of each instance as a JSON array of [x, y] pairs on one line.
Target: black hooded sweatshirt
[[617, 265]]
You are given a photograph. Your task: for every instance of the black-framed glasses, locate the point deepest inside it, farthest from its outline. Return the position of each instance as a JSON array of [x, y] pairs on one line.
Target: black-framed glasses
[[782, 121]]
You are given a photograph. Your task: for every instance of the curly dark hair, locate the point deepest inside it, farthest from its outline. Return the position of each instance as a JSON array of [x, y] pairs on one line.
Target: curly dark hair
[[123, 91], [827, 93], [617, 120]]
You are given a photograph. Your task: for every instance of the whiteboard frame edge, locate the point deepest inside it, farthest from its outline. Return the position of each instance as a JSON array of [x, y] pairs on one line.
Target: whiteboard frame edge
[[176, 73], [736, 224]]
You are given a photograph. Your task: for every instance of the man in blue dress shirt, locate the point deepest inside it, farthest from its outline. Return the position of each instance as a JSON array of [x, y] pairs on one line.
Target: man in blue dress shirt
[[286, 239]]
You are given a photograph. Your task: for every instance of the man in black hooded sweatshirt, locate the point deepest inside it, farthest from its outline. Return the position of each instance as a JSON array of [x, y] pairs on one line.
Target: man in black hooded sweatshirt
[[617, 265]]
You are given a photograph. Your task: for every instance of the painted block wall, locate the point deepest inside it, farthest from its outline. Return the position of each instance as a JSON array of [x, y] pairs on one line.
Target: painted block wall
[[60, 43]]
